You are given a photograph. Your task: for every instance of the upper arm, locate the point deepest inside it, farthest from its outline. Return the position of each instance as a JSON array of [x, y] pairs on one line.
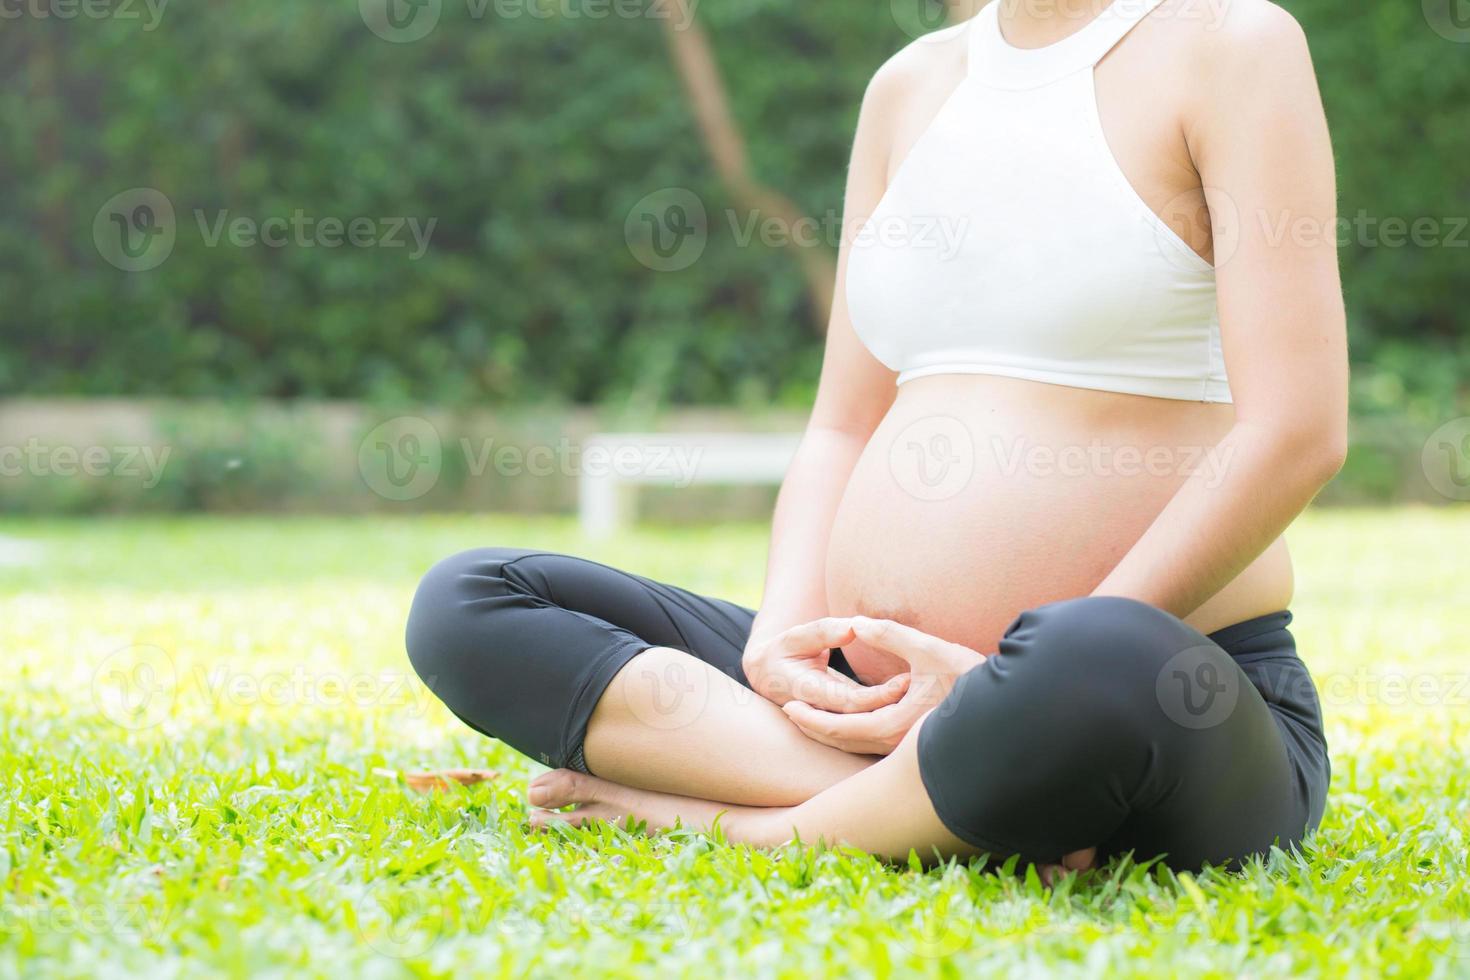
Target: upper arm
[[856, 388], [1259, 138]]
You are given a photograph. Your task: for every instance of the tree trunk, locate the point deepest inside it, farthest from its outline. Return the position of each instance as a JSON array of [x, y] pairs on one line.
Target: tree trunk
[[690, 50], [689, 47]]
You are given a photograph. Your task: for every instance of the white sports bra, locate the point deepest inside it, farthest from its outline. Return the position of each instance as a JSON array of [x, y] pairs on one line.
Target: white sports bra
[[1010, 242]]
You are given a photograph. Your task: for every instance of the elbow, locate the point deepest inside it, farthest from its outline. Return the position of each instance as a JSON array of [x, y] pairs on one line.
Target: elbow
[[1328, 458], [1316, 452]]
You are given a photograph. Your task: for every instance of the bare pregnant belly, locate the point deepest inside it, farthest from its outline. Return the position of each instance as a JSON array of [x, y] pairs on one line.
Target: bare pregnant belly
[[979, 497]]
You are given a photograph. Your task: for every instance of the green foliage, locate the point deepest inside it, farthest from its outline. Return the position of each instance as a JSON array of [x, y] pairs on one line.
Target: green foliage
[[235, 826], [528, 139]]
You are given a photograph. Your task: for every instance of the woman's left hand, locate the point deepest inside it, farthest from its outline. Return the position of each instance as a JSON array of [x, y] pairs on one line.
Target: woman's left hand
[[934, 666]]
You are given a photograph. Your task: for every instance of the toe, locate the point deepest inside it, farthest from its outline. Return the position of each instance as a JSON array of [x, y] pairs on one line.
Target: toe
[[1080, 860], [554, 789], [580, 817]]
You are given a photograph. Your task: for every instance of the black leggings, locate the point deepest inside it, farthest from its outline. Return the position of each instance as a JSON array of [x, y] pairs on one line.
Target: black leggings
[[1099, 722]]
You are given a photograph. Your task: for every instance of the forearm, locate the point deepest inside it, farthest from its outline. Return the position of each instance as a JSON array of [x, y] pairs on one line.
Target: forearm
[[1223, 517], [795, 590]]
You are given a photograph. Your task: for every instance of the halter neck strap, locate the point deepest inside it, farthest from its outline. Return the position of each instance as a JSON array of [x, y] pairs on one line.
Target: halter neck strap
[[996, 62]]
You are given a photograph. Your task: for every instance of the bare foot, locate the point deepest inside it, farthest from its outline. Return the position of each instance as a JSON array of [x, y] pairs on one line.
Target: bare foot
[[1076, 861], [595, 799], [598, 799]]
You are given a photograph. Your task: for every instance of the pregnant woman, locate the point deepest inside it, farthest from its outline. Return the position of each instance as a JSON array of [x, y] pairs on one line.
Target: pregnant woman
[[1031, 598]]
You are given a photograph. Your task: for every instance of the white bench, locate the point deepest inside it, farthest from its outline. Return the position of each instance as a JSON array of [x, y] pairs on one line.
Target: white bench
[[612, 461]]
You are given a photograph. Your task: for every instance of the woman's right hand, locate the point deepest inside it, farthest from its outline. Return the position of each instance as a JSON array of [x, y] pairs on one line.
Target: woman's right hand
[[795, 666]]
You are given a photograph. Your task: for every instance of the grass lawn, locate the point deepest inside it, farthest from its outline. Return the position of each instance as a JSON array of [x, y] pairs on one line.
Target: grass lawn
[[194, 710]]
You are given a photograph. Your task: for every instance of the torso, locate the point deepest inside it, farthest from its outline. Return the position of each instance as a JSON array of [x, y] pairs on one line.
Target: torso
[[981, 496]]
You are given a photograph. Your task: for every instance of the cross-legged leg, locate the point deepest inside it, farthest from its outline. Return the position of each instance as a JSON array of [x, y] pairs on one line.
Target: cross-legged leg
[[580, 665], [882, 810], [1080, 734]]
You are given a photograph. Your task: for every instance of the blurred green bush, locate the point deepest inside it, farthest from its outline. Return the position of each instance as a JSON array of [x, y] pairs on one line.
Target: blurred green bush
[[529, 138]]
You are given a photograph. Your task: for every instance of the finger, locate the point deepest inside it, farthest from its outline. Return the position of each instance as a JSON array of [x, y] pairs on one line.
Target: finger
[[847, 696], [867, 726], [815, 733], [895, 638], [817, 636], [805, 681]]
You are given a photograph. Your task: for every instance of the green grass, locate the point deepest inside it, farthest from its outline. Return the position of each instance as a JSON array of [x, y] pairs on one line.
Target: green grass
[[233, 825]]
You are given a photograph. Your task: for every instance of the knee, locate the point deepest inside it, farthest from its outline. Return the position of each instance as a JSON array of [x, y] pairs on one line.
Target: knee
[[449, 595], [1099, 642]]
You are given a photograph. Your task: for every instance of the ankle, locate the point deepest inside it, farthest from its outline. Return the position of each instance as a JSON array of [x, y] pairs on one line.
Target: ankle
[[765, 826]]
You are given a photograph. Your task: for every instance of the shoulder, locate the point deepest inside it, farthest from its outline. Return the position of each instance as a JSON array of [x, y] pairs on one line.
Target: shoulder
[[934, 61], [1233, 38]]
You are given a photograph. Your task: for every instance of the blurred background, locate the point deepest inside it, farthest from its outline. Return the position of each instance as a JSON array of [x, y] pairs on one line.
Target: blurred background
[[410, 254]]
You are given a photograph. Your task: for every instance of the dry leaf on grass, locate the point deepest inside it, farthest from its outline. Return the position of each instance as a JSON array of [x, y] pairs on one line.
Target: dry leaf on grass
[[438, 779]]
